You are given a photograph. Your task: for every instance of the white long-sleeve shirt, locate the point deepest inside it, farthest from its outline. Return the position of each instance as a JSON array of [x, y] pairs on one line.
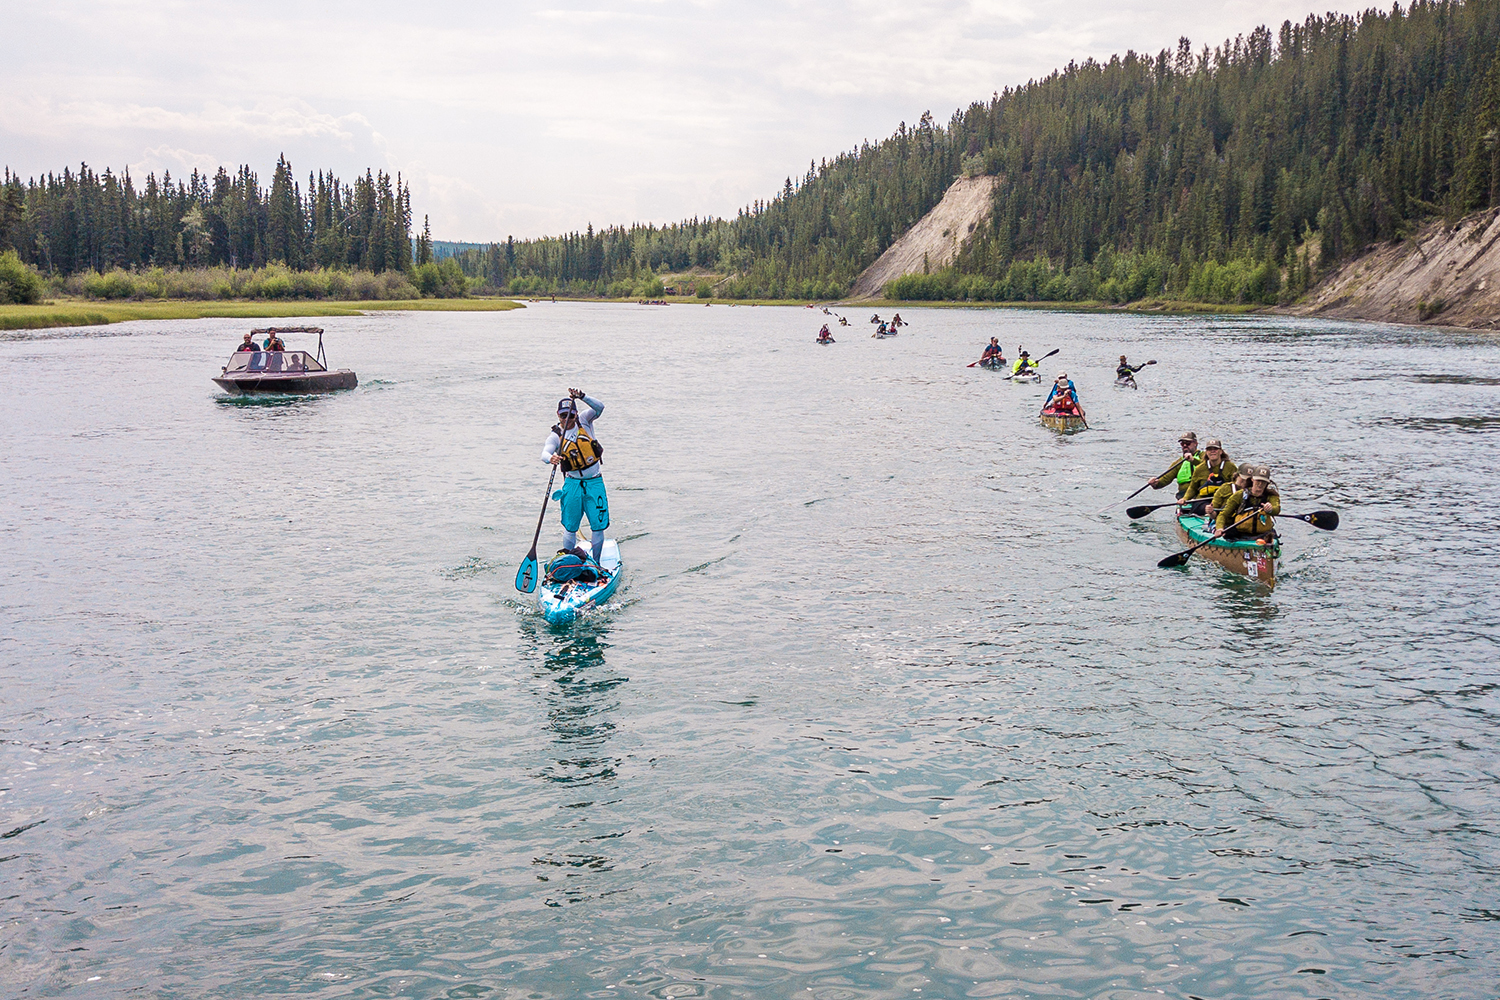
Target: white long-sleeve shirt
[[587, 414]]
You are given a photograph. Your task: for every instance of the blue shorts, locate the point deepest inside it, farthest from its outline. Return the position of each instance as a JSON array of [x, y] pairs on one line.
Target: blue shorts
[[579, 495]]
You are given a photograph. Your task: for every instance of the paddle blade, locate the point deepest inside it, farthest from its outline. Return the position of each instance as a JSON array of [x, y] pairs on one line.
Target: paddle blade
[[526, 575], [1176, 559], [1325, 519], [1138, 512]]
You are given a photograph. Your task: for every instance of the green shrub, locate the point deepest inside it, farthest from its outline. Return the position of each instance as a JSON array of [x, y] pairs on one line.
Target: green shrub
[[18, 281], [117, 284]]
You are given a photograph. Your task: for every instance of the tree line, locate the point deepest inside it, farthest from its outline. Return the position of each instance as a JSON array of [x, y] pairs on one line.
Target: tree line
[[1231, 173], [82, 221]]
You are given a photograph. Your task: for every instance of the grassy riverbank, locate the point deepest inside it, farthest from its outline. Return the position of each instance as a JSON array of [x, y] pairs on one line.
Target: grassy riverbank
[[86, 312]]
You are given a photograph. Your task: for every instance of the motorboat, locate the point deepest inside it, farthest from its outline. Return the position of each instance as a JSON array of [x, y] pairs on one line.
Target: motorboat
[[287, 373]]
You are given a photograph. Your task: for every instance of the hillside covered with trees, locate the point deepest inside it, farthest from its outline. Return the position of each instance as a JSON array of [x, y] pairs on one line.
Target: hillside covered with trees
[[1222, 174]]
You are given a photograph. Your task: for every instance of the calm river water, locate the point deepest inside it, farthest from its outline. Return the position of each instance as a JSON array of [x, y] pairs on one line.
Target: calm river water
[[884, 708]]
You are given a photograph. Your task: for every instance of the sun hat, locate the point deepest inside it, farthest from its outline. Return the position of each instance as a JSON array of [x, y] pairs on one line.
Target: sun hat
[[1215, 443]]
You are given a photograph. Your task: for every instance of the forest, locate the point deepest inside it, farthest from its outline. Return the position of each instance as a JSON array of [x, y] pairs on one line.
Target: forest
[[1228, 174], [1236, 173]]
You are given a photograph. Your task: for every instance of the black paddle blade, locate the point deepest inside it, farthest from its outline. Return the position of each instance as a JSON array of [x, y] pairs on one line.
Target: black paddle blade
[[1325, 519], [1175, 560], [1137, 512]]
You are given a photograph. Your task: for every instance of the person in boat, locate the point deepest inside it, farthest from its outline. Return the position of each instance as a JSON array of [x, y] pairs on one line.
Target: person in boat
[[843, 321], [273, 342], [1180, 471], [993, 352], [1221, 495], [573, 447], [1024, 365], [247, 345], [1214, 471], [824, 335], [875, 317], [1261, 498], [879, 331], [1064, 404], [897, 321], [1063, 386], [1125, 371]]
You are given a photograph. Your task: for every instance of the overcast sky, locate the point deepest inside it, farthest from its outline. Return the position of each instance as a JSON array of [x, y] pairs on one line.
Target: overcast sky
[[529, 119]]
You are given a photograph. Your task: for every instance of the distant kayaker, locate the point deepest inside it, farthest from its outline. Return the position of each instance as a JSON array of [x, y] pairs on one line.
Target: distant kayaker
[[1214, 471], [1261, 498], [248, 345], [1181, 471], [825, 336], [572, 446], [1024, 364], [993, 352], [1127, 370], [896, 320]]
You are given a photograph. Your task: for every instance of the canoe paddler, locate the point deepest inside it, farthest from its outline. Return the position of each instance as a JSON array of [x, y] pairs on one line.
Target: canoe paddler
[[572, 446], [1063, 385], [1181, 471], [1259, 497], [1024, 364], [1214, 471], [1221, 495]]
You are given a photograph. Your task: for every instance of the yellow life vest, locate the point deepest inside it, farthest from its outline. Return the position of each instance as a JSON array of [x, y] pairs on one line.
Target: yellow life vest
[[578, 454]]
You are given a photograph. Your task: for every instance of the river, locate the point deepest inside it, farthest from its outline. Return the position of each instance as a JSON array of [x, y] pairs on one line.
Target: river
[[885, 706]]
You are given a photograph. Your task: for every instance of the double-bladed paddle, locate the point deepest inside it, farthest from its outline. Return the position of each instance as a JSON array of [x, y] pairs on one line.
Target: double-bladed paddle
[[526, 575], [1036, 361]]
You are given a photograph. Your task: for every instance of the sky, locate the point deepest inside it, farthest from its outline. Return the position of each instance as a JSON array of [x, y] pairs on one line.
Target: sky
[[530, 119]]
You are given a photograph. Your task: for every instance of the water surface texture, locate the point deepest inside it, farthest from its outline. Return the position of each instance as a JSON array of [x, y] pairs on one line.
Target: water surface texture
[[885, 707]]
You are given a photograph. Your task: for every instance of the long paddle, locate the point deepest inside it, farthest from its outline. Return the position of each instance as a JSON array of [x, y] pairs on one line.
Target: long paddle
[[1036, 361], [526, 575], [1132, 496], [1138, 512], [1181, 558], [1328, 520]]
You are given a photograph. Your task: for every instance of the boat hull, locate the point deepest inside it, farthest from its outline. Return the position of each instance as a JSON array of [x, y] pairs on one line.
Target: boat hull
[[287, 384], [1125, 383], [1244, 557], [1030, 378], [561, 603], [994, 366], [1064, 423]]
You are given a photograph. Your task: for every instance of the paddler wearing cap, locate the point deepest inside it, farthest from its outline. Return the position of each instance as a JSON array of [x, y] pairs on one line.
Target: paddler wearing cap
[[1214, 471], [572, 446], [1181, 471], [1063, 384], [1239, 481], [1261, 497], [1024, 364]]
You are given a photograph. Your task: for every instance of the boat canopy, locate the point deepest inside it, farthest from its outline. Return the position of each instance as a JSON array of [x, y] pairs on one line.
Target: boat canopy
[[273, 361]]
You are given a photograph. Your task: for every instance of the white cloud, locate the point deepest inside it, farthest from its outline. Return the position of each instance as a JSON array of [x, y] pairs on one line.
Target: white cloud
[[531, 118]]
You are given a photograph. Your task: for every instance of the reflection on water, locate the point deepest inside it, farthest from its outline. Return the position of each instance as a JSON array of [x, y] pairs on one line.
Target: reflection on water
[[580, 694]]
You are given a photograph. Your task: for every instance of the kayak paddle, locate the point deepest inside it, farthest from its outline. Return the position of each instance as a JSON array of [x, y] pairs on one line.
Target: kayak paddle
[[526, 575]]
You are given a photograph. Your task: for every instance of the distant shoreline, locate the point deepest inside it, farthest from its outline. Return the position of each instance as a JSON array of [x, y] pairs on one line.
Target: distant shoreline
[[87, 312]]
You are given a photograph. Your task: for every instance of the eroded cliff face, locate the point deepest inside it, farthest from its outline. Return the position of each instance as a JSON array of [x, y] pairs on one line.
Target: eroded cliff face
[[1442, 276], [936, 237]]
